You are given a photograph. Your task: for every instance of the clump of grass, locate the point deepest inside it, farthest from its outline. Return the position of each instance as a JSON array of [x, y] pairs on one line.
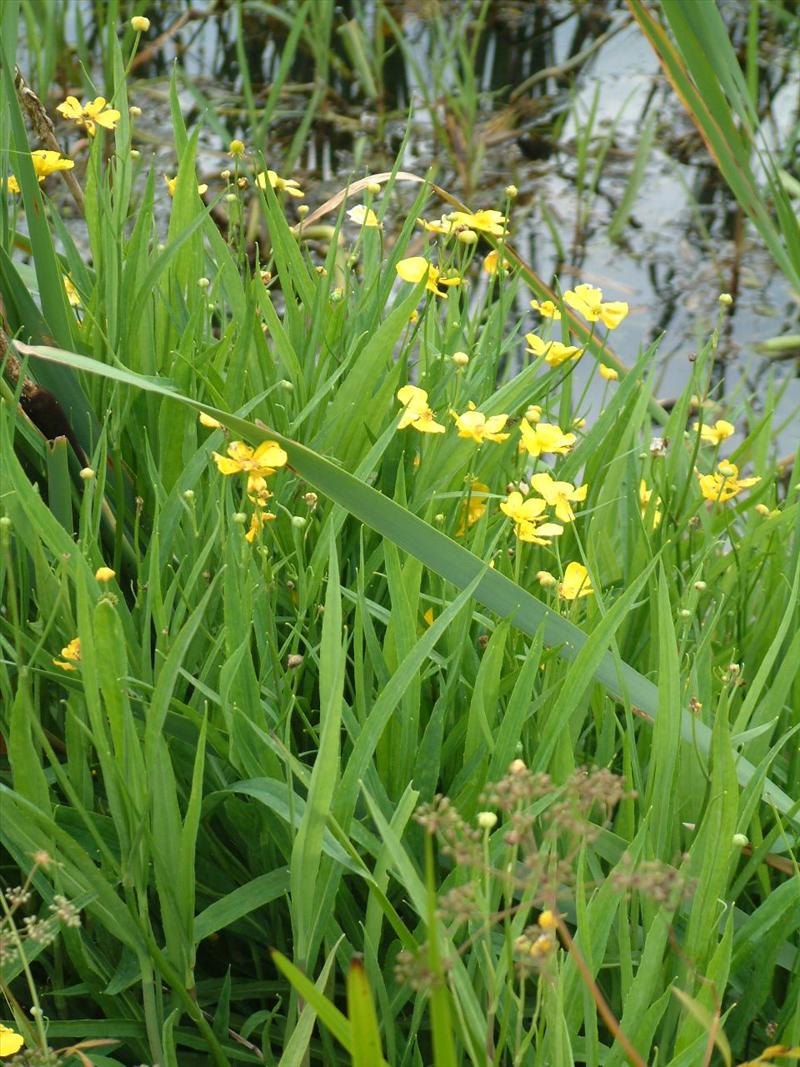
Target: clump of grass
[[306, 526]]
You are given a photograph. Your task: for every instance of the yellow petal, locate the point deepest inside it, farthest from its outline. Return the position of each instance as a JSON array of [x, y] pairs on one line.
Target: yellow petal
[[413, 270]]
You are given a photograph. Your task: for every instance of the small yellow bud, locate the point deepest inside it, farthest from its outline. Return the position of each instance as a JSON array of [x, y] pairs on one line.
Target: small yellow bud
[[548, 920], [311, 499], [533, 413], [303, 210], [467, 237], [740, 840], [373, 188], [225, 174], [511, 191], [209, 422], [87, 474], [608, 373], [135, 153], [461, 359], [134, 111], [725, 299], [487, 820], [700, 587], [140, 24], [546, 580], [517, 766], [236, 148], [762, 509], [104, 574], [293, 661], [203, 283]]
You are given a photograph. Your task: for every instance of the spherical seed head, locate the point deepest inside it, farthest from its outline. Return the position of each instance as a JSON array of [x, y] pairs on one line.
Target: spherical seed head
[[236, 148]]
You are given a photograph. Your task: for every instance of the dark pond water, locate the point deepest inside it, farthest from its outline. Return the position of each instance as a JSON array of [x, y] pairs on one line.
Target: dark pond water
[[570, 141]]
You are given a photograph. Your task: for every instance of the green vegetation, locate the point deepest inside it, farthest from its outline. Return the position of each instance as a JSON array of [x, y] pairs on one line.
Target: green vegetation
[[370, 695]]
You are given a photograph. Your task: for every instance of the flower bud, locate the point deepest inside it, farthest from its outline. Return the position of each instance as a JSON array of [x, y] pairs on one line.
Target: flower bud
[[299, 521], [511, 191], [740, 840], [239, 518], [236, 148], [461, 359], [87, 474], [203, 283], [546, 580], [467, 237], [517, 766], [303, 210], [134, 111], [725, 299], [487, 820], [104, 574], [373, 188], [294, 661], [140, 24], [700, 587], [762, 509]]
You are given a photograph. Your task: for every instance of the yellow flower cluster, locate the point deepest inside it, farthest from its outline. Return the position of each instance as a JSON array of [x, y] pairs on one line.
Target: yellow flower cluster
[[416, 268], [258, 464], [44, 164]]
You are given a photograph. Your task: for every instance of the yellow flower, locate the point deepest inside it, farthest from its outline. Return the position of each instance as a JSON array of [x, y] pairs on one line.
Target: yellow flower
[[71, 654], [172, 184], [90, 116], [485, 221], [609, 373], [588, 300], [544, 437], [491, 260], [559, 495], [413, 270], [259, 518], [290, 186], [644, 501], [473, 507], [104, 574], [140, 23], [533, 413], [45, 163], [716, 434], [725, 483], [416, 412], [547, 308], [73, 296], [576, 582], [10, 1041], [236, 148], [526, 514], [477, 427], [555, 353], [259, 462], [363, 216]]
